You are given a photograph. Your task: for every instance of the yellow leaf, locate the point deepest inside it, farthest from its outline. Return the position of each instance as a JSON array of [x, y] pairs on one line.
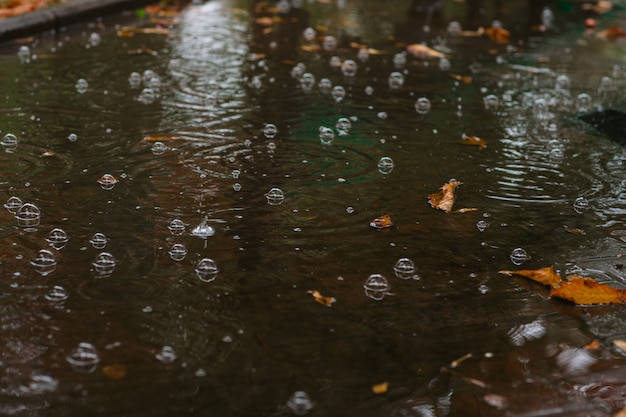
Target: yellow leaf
[[574, 230], [545, 276], [382, 222], [421, 51], [381, 388], [444, 199], [327, 301], [498, 35], [473, 140], [586, 291]]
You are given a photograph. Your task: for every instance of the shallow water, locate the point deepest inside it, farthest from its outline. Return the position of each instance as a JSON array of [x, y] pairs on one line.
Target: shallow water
[[242, 342]]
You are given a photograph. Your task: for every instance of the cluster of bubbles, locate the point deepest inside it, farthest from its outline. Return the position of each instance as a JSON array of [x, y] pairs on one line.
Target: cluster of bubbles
[[377, 287], [151, 83], [206, 269]]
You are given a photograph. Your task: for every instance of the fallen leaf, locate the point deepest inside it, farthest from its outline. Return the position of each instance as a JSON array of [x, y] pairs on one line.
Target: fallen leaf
[[312, 47], [574, 230], [620, 413], [612, 33], [467, 79], [128, 31], [600, 7], [621, 344], [382, 222], [546, 276], [114, 372], [586, 291], [381, 388], [47, 153], [498, 35], [444, 199], [159, 138], [327, 301], [421, 51], [593, 345], [473, 140]]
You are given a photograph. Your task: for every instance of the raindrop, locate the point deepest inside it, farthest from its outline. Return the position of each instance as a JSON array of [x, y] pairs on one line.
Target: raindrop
[[206, 270], [72, 137], [270, 130], [557, 155], [382, 115], [94, 39], [385, 165], [28, 216], [298, 70], [376, 287], [300, 403], [84, 358], [57, 238], [349, 68], [155, 84], [13, 204], [57, 294], [422, 105], [23, 54], [271, 147], [399, 60], [329, 43], [203, 230], [309, 34], [236, 173], [349, 209], [178, 252], [81, 86], [482, 225], [396, 80], [369, 90], [177, 227], [583, 103], [405, 269], [581, 204], [540, 110], [147, 96], [40, 384], [9, 142], [104, 264], [335, 62], [454, 29], [107, 181], [275, 196], [158, 148], [98, 241], [326, 135], [343, 126], [44, 263], [519, 256], [134, 80], [338, 93], [166, 355]]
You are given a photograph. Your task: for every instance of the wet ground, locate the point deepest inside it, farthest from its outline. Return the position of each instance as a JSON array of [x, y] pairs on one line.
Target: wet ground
[[200, 301]]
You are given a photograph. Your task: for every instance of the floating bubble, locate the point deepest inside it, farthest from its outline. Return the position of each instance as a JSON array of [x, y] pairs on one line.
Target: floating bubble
[[298, 70], [540, 110], [376, 287], [369, 90], [98, 241], [343, 126], [491, 102], [177, 227], [270, 130], [444, 64], [9, 142], [557, 155], [57, 294], [81, 86], [134, 80], [405, 269], [454, 28], [581, 204], [335, 62], [329, 43], [28, 215], [300, 403], [203, 230], [207, 270], [338, 93], [519, 256], [583, 103], [72, 137], [382, 115], [147, 75], [325, 86], [326, 135], [13, 204], [84, 358], [547, 17], [104, 264], [158, 148], [562, 83], [178, 252], [147, 96], [237, 186], [166, 355], [349, 68], [307, 82], [107, 181], [395, 80], [422, 105], [309, 34], [399, 60], [44, 263], [385, 165], [236, 173], [57, 238], [275, 196], [363, 55], [95, 39], [39, 384], [482, 225], [24, 55]]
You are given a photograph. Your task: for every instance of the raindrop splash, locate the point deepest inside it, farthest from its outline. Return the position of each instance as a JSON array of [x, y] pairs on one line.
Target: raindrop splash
[[300, 403], [203, 230], [178, 252], [326, 135], [395, 80], [176, 227], [166, 355], [28, 216], [13, 204], [81, 86], [98, 241], [9, 142], [57, 295], [422, 105], [270, 130], [581, 205]]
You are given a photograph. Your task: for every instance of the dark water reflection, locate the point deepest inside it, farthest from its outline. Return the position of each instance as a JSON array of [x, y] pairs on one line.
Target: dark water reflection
[[242, 344]]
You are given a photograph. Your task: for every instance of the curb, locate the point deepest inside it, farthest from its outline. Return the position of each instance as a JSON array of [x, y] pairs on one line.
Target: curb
[[56, 17]]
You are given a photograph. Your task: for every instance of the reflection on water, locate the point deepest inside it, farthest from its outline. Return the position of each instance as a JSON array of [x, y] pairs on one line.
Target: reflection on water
[[173, 199]]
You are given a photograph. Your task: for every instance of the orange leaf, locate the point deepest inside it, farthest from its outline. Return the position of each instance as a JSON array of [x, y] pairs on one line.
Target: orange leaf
[[424, 52], [545, 276], [381, 388], [114, 372], [444, 199], [593, 345], [574, 230], [586, 291], [327, 301], [473, 140], [498, 35], [159, 138], [612, 33], [467, 79], [621, 344], [382, 222]]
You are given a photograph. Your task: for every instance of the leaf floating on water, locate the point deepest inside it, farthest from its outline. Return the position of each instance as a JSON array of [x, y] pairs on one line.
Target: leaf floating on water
[[574, 230], [319, 298], [381, 388], [382, 222], [421, 51], [546, 276], [473, 140], [159, 138], [47, 154], [129, 31], [612, 33], [621, 344], [114, 372], [498, 35], [586, 291], [467, 79], [444, 199], [593, 345]]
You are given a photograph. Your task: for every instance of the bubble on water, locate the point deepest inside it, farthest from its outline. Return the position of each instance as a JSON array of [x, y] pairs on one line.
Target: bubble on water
[[382, 115], [399, 60], [395, 80], [562, 83], [581, 205], [57, 295], [519, 256], [81, 86], [422, 105], [237, 186], [98, 241], [206, 270], [325, 85], [349, 68], [541, 110], [147, 75], [405, 269], [158, 148], [13, 204], [491, 102], [454, 28], [583, 103], [39, 384], [24, 55], [376, 287], [270, 130], [369, 90], [309, 34], [343, 126], [547, 17], [44, 263], [134, 80], [338, 93], [482, 225], [326, 135], [57, 238], [363, 55], [178, 252], [275, 196], [385, 165], [28, 216], [84, 358], [166, 355], [147, 96], [349, 209], [203, 230], [556, 155], [444, 64], [483, 289], [307, 82], [9, 142], [176, 227], [107, 181], [271, 147], [95, 39], [72, 137], [104, 264], [329, 43], [300, 403], [235, 174]]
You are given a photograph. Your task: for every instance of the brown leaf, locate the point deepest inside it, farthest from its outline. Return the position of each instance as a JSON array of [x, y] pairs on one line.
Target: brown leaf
[[114, 372], [620, 413], [159, 138], [473, 140], [424, 52], [574, 230], [498, 35], [545, 276], [381, 388], [586, 291], [593, 345], [382, 222], [327, 301], [467, 79], [621, 344], [444, 199], [612, 33]]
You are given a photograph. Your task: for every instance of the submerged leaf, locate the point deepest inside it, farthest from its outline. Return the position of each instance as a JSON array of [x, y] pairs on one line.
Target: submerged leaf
[[444, 199], [586, 291], [545, 276], [114, 372], [381, 388], [327, 301], [382, 222]]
